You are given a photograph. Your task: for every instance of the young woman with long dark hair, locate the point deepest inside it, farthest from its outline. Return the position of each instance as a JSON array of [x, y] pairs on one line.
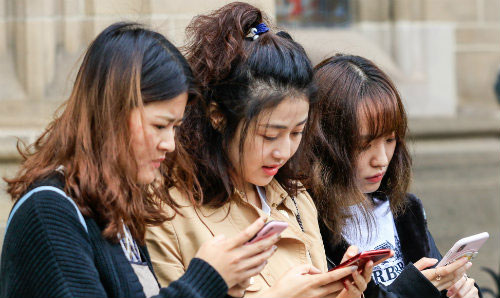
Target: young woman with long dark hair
[[363, 194], [246, 139], [96, 178]]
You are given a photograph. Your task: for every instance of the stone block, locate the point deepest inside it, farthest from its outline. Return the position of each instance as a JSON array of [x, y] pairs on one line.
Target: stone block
[[492, 11], [408, 10], [72, 34], [195, 7], [372, 10], [35, 48], [3, 39], [479, 35], [451, 10], [177, 31], [163, 25], [37, 8], [119, 7], [476, 74], [73, 7]]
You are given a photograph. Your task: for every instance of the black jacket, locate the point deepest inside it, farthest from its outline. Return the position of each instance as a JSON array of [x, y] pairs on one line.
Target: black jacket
[[416, 243], [48, 253]]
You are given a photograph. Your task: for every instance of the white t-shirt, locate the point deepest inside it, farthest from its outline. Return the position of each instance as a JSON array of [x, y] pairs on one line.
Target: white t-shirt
[[383, 235]]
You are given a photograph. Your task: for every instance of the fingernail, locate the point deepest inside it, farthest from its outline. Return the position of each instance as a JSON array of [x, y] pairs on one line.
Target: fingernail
[[449, 293], [353, 268], [468, 265], [275, 247]]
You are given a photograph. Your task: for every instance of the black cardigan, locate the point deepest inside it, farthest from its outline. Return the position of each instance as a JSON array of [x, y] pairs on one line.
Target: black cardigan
[[416, 243], [47, 253]]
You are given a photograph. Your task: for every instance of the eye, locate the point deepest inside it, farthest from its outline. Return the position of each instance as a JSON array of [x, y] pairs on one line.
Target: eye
[[269, 138], [297, 133], [390, 140], [157, 126]]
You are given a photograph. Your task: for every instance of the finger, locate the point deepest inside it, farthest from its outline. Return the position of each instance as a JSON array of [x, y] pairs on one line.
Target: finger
[[450, 280], [473, 292], [367, 273], [257, 259], [253, 271], [469, 285], [457, 286], [452, 267], [245, 284], [424, 263], [329, 289], [247, 234], [359, 281], [259, 246], [352, 290], [460, 272], [350, 252], [334, 275]]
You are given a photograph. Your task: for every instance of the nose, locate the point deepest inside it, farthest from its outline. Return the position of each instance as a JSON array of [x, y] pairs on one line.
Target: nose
[[167, 141], [283, 151], [379, 158]]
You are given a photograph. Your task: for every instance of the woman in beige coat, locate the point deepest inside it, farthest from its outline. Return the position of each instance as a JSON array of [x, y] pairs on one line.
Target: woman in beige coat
[[244, 138]]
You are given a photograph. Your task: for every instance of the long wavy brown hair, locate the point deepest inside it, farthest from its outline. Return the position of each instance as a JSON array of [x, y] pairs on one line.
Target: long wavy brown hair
[[242, 77], [347, 86], [126, 66]]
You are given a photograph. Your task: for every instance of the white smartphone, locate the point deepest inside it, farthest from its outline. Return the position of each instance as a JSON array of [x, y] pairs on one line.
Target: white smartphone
[[465, 247]]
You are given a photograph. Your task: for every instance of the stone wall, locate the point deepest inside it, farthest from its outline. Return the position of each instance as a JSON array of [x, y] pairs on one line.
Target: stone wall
[[41, 42], [476, 28]]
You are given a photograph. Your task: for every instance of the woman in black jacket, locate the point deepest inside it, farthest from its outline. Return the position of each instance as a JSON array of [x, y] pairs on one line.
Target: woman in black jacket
[[97, 176], [365, 169]]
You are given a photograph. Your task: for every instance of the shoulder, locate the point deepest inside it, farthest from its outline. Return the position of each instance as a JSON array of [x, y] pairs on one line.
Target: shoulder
[[414, 204], [48, 208]]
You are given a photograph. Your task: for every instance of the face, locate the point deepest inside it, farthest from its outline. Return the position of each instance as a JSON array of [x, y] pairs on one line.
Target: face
[[270, 143], [373, 159], [152, 134]]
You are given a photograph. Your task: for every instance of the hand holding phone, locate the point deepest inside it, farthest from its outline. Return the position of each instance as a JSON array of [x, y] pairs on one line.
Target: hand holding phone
[[270, 228], [360, 260], [465, 247]]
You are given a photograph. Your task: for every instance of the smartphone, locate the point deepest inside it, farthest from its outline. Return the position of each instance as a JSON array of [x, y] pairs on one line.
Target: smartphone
[[362, 258], [270, 228], [465, 247]]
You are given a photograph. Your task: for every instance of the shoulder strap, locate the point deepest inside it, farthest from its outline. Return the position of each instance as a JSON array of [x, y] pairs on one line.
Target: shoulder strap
[[45, 188]]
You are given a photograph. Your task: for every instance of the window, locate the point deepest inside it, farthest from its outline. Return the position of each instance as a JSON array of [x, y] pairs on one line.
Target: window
[[305, 13]]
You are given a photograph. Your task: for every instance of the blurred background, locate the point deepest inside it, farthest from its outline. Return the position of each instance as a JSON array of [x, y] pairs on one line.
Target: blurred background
[[444, 56]]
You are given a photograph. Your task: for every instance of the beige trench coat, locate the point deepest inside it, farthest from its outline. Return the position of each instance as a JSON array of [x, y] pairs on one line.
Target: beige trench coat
[[173, 244]]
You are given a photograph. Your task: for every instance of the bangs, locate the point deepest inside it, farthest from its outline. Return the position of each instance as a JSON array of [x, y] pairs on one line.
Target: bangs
[[382, 112]]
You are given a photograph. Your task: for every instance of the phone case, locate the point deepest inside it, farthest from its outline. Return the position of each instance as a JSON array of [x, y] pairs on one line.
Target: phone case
[[468, 247], [362, 258], [269, 229]]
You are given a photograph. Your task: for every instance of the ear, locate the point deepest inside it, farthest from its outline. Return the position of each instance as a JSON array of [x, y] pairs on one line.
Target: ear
[[216, 117]]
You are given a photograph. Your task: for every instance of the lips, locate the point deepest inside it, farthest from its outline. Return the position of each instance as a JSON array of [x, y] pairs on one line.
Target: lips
[[377, 178], [157, 162], [271, 170]]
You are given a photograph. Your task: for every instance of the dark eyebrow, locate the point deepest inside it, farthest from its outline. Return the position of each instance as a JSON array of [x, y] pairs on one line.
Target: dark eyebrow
[[277, 126]]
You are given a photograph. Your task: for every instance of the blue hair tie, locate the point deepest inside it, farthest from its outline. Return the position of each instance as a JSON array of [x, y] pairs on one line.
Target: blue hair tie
[[258, 30]]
